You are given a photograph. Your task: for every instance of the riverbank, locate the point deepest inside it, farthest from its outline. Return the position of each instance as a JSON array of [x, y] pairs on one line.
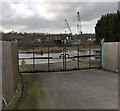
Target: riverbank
[[41, 50], [18, 93]]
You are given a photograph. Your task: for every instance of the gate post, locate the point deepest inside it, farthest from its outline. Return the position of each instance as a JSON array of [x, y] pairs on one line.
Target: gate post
[[48, 58], [102, 42], [65, 56], [89, 54], [78, 56], [33, 59]]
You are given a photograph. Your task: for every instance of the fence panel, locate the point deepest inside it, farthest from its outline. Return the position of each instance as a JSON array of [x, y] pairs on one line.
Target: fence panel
[[0, 75], [119, 57], [110, 55], [36, 58], [10, 69]]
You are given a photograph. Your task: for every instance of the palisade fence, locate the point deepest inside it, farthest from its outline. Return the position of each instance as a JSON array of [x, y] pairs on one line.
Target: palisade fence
[[53, 57], [9, 70]]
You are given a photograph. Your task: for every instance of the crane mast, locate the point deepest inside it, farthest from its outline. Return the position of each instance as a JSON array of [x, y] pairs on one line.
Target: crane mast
[[68, 26], [79, 27]]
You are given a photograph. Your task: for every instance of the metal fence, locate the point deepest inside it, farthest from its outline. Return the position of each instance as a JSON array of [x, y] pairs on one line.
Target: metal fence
[[51, 57]]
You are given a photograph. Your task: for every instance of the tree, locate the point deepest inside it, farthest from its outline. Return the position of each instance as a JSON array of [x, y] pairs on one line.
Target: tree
[[108, 27]]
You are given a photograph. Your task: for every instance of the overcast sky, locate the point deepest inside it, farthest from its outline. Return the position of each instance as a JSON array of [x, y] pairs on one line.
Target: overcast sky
[[49, 17]]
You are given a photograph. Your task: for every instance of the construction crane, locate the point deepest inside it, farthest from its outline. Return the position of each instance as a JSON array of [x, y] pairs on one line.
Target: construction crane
[[79, 27], [68, 26]]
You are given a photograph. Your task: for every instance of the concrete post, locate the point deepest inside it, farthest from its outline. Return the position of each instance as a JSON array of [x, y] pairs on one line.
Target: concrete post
[[119, 57], [0, 75], [119, 75]]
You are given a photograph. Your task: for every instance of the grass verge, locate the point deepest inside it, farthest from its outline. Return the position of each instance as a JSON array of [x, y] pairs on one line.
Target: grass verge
[[18, 93]]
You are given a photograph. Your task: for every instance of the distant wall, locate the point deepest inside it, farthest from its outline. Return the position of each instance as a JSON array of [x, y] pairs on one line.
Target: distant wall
[[9, 69], [0, 75], [111, 56]]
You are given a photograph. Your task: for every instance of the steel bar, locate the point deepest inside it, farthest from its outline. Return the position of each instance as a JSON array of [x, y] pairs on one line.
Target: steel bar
[[98, 56], [48, 58], [33, 59], [65, 57], [78, 57], [89, 55], [85, 56]]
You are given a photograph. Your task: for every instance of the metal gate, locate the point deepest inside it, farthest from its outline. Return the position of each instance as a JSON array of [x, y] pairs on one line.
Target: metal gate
[[53, 57]]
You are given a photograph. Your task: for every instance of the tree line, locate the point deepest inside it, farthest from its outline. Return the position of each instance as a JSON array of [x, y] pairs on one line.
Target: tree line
[[108, 27]]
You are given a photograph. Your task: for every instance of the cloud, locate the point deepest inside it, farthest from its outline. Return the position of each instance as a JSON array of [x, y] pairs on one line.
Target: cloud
[[38, 1], [49, 16]]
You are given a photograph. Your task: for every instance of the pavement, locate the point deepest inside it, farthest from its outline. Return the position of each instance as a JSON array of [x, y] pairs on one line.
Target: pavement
[[81, 89]]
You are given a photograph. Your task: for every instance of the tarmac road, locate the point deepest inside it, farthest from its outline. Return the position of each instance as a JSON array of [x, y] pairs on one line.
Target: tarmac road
[[82, 89]]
